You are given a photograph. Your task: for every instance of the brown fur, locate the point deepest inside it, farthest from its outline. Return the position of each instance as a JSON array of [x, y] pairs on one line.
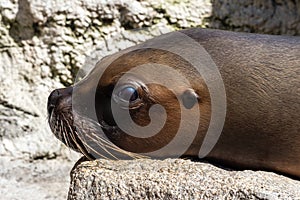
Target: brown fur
[[261, 74]]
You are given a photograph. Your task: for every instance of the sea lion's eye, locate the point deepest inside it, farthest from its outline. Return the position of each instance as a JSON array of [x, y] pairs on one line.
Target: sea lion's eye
[[128, 93]]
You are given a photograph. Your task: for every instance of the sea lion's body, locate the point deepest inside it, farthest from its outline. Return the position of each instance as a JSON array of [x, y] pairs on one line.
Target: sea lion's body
[[261, 75]]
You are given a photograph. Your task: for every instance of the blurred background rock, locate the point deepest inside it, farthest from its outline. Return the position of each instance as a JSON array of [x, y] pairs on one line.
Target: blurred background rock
[[43, 44]]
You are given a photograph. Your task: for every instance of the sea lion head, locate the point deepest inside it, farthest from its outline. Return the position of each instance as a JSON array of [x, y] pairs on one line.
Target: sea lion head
[[139, 101]]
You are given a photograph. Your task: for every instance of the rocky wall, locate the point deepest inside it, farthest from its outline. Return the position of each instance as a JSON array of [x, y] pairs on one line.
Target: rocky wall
[[277, 17]]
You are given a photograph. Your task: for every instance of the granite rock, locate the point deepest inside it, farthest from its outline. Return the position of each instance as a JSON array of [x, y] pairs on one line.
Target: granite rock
[[175, 179]]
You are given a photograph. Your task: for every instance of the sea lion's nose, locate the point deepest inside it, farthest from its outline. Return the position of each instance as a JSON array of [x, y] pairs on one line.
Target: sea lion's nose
[[57, 94]]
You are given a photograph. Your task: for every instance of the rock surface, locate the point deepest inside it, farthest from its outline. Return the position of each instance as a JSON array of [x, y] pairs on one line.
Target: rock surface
[[175, 179], [261, 16], [34, 180]]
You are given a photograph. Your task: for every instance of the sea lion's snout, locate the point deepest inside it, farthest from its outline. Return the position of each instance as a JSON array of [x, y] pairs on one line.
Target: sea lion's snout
[[60, 118], [58, 96], [59, 109]]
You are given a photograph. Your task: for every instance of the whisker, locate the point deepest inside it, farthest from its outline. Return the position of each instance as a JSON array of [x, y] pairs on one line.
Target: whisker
[[98, 153], [89, 147], [116, 148], [56, 126], [99, 142], [83, 151], [103, 146], [63, 131], [67, 129]]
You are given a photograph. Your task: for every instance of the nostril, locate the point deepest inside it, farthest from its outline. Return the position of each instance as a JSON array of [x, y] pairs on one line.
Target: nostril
[[52, 100], [56, 95]]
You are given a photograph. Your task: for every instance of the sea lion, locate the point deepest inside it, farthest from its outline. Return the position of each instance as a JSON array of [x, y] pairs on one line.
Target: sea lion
[[231, 98]]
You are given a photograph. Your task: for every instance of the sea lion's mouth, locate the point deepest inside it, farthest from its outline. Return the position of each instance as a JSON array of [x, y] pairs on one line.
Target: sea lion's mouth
[[81, 133], [61, 120], [64, 128]]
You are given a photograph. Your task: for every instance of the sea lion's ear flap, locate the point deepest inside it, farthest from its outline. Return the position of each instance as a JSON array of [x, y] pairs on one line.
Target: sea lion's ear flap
[[189, 98]]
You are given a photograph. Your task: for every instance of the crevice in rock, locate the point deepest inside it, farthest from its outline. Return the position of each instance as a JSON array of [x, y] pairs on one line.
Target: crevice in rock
[[46, 156], [23, 28], [124, 22], [11, 106]]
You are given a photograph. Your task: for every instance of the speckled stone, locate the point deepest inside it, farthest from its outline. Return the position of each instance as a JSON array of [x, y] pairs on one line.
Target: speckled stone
[[175, 179]]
